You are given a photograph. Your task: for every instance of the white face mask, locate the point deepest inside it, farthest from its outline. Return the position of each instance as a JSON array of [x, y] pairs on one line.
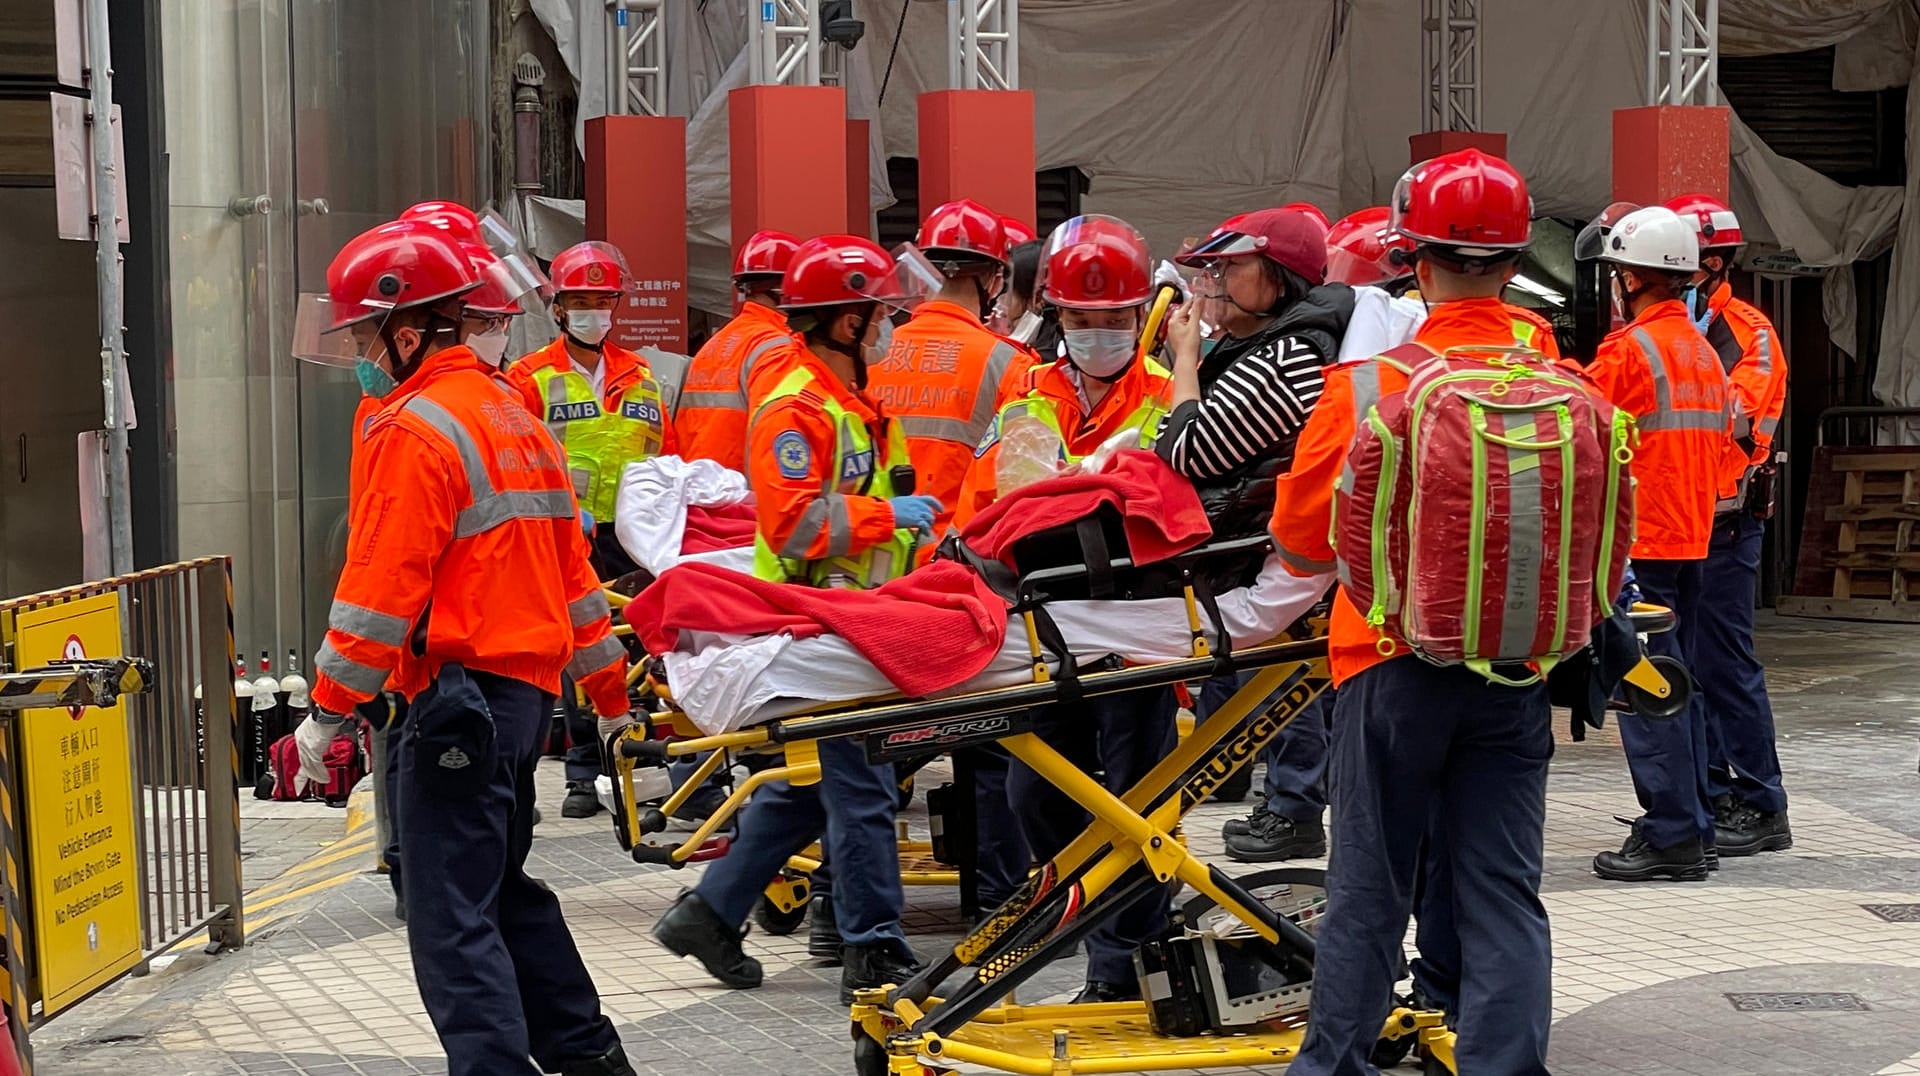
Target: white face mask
[[490, 346], [882, 342], [1101, 353], [589, 326]]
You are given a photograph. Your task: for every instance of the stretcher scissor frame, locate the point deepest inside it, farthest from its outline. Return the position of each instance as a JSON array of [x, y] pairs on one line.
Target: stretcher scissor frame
[[1131, 845]]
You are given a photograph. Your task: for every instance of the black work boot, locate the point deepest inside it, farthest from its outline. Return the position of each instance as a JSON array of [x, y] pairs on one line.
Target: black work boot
[[1746, 831], [1240, 827], [823, 934], [1638, 861], [580, 801], [612, 1063], [1271, 839], [869, 967], [692, 928], [1098, 991]]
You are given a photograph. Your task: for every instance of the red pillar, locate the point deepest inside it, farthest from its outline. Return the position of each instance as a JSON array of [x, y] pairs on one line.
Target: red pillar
[[637, 200], [978, 144], [787, 157], [1432, 144], [859, 180], [1663, 151]]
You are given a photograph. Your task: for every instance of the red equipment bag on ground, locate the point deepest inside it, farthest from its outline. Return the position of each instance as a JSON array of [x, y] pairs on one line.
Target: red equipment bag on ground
[[1486, 512], [346, 761]]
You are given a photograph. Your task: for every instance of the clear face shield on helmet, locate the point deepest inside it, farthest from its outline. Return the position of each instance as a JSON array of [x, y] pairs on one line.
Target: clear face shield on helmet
[[515, 272]]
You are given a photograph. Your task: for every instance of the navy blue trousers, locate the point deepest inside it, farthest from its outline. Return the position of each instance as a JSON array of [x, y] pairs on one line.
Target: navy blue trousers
[[1125, 735], [1420, 749], [1668, 756], [497, 967], [1296, 781], [854, 806], [1740, 743], [1001, 856]]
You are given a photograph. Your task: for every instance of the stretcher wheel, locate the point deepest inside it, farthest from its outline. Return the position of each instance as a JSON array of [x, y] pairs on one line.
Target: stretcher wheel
[[1390, 1052], [869, 1057], [1304, 890], [1647, 704], [768, 917], [1436, 1067]]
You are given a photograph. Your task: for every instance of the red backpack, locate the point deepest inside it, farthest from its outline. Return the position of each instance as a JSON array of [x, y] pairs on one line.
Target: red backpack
[[1486, 512]]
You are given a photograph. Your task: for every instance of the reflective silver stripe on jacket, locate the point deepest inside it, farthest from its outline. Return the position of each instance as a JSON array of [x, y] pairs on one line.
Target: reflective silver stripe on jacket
[[556, 395], [1763, 352], [753, 359], [1520, 607], [719, 401], [355, 677], [368, 624], [970, 430], [828, 512], [1664, 416], [1296, 561], [595, 656], [584, 611], [489, 508]]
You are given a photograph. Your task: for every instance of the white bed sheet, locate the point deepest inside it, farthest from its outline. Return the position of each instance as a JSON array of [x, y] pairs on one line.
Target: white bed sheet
[[727, 682]]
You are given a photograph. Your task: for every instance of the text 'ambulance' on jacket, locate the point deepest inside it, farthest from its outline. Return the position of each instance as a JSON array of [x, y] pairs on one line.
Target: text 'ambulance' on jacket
[[466, 519], [941, 382]]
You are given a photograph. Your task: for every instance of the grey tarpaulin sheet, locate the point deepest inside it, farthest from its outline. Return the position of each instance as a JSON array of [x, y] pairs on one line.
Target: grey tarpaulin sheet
[[1181, 113]]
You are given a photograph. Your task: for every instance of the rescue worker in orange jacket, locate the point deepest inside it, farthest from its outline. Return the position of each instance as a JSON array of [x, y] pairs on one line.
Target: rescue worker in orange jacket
[[942, 373], [1659, 369], [467, 581], [829, 471], [483, 328], [598, 399], [1421, 748], [716, 399], [1744, 785], [1095, 271]]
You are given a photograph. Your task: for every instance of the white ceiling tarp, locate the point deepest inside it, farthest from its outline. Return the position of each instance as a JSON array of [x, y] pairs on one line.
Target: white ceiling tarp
[[1182, 113]]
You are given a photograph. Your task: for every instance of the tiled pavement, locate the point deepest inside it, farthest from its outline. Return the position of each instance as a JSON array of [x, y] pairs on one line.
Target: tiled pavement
[[1646, 976]]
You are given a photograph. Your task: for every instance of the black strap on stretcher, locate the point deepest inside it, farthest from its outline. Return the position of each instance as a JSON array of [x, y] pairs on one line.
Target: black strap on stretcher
[[1103, 572]]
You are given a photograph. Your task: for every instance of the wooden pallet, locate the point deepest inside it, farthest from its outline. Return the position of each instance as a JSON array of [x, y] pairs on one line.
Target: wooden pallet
[[1859, 554]]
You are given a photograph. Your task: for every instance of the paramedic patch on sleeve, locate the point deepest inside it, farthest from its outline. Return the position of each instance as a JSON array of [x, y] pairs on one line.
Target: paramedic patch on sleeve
[[791, 454], [987, 439]]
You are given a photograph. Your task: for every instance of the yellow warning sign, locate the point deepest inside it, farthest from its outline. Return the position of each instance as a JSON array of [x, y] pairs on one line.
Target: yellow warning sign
[[78, 780]]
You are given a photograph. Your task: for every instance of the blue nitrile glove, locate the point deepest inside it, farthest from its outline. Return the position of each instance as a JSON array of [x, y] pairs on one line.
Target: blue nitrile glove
[[915, 512], [586, 522]]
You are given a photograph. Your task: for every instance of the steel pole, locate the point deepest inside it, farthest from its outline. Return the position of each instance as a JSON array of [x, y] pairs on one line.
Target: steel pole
[[107, 274]]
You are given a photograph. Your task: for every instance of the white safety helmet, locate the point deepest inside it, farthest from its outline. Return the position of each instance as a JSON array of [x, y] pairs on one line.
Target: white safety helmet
[[1653, 238]]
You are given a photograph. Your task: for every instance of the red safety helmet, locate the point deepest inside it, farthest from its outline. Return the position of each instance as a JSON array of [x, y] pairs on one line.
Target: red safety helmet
[[450, 217], [393, 267], [830, 270], [1095, 262], [765, 253], [1018, 231], [1471, 203], [1361, 249], [1712, 219], [1310, 210], [963, 232], [490, 299], [592, 267], [1292, 238]]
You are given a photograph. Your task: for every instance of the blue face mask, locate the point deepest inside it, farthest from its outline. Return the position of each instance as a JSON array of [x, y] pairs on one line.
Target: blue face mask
[[1696, 301], [374, 380]]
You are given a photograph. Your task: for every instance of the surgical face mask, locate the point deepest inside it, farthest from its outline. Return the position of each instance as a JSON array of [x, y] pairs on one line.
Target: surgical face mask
[[589, 326], [374, 379], [1101, 353], [882, 342], [490, 346], [1026, 328]]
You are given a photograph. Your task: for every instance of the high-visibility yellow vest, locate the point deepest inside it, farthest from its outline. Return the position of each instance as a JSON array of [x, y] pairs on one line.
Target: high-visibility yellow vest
[[1524, 332], [600, 438], [855, 470], [1146, 418]]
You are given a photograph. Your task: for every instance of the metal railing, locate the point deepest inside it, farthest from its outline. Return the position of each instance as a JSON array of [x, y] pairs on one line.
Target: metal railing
[[1861, 425], [183, 764]]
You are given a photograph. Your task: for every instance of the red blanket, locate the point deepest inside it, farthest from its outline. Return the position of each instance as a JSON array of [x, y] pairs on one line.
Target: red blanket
[[931, 630], [726, 527], [1159, 509]]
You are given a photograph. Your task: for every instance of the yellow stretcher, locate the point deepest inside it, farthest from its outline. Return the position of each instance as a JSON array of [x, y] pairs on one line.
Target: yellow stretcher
[[1131, 845]]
